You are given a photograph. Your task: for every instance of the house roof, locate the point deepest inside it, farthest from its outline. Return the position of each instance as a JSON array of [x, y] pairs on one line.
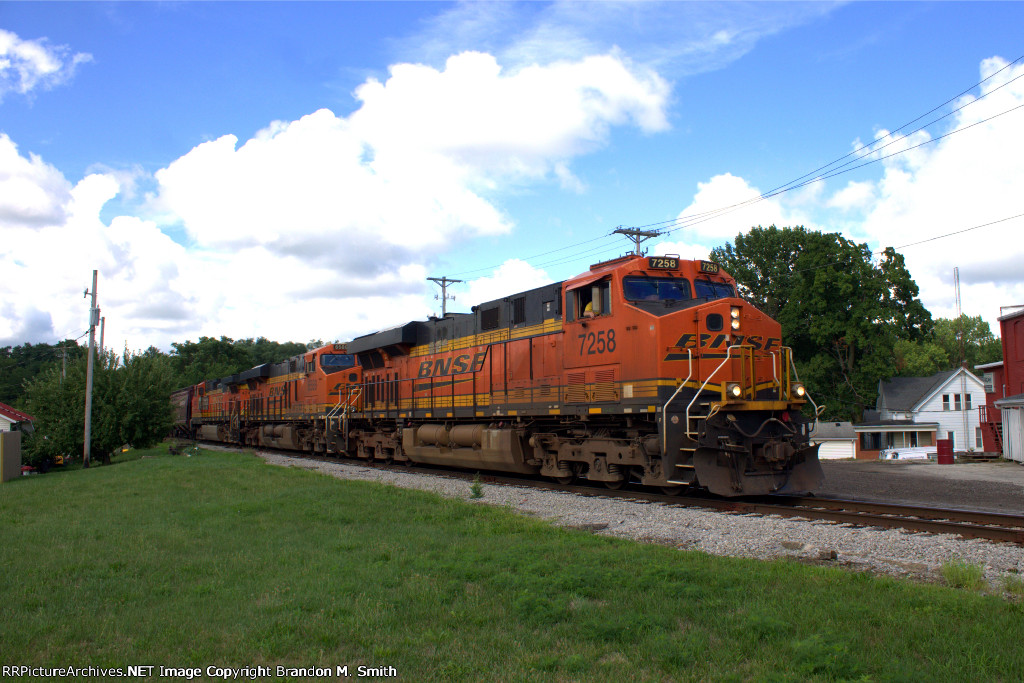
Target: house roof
[[1010, 401], [13, 414], [903, 393], [1014, 314], [989, 366], [833, 431], [895, 426]]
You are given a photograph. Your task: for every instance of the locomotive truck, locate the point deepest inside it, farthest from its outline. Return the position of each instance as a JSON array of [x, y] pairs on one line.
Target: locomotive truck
[[644, 369]]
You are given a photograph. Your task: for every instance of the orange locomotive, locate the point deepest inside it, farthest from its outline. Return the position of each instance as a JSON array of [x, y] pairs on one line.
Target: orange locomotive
[[644, 369]]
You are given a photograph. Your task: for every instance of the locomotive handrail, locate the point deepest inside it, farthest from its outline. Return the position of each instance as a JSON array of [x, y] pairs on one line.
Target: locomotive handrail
[[664, 408], [775, 374], [817, 410], [728, 354]]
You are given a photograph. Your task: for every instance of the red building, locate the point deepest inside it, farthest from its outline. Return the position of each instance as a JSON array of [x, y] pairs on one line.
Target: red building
[[1002, 416]]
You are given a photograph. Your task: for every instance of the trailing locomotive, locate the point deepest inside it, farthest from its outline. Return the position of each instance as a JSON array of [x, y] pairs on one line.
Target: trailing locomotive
[[643, 369]]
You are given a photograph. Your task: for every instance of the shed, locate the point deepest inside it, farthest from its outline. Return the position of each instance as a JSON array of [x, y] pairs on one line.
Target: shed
[[838, 440], [1012, 409]]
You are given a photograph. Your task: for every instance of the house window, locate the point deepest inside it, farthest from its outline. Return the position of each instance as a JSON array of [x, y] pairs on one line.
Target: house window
[[956, 401], [945, 401], [870, 441], [977, 436], [967, 401]]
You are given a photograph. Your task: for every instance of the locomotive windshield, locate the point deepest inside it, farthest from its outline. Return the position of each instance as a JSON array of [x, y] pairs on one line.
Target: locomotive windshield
[[706, 289], [332, 362], [655, 289]]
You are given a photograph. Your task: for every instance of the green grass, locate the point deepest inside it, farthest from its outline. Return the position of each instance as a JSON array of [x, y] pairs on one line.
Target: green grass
[[962, 574], [1014, 585], [221, 559]]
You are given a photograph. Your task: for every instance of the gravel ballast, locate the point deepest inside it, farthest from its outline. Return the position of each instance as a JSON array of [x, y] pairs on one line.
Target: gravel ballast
[[883, 551]]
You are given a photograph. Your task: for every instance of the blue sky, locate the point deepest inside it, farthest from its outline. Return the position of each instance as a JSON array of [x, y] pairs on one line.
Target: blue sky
[[297, 170]]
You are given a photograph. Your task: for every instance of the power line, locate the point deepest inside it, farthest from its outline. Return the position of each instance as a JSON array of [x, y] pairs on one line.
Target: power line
[[861, 152]]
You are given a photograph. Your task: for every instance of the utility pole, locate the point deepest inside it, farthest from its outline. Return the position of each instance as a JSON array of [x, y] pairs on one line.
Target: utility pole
[[637, 235], [443, 282], [94, 318], [963, 357]]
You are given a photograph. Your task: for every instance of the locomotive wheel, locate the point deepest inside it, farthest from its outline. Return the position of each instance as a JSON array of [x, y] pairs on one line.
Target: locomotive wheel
[[615, 485], [671, 490], [565, 481]]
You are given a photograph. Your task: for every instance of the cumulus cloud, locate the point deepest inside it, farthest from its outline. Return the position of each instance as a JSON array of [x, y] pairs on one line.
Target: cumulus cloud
[[32, 192], [323, 227], [965, 179], [26, 65], [728, 205], [511, 277], [414, 166]]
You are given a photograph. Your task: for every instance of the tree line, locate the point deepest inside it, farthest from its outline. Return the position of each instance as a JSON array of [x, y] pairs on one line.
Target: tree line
[[850, 319], [130, 394]]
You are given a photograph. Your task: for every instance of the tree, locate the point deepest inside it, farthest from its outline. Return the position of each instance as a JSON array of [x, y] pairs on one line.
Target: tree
[[211, 358], [979, 344], [130, 405], [841, 312], [920, 358], [18, 364]]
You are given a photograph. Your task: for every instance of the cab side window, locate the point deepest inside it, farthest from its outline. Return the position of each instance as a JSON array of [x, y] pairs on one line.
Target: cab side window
[[590, 301]]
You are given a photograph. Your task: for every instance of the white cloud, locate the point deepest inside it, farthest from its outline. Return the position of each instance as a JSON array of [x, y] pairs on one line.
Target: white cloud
[[511, 277], [678, 38], [321, 227], [856, 196], [682, 249], [728, 205], [963, 180], [26, 65], [412, 167], [32, 192]]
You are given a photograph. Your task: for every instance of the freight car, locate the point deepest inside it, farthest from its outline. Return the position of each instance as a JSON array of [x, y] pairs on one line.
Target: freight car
[[643, 369]]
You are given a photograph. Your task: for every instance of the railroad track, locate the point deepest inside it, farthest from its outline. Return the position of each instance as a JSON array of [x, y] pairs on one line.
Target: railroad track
[[1005, 528]]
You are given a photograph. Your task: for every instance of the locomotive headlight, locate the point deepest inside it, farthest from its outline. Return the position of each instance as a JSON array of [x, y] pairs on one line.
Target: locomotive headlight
[[798, 390], [735, 324], [733, 390], [734, 313]]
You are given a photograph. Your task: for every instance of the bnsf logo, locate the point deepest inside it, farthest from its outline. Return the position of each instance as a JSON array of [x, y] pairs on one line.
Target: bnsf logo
[[707, 341], [452, 366]]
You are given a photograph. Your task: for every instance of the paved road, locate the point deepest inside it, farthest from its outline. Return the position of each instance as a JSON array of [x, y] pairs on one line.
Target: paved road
[[993, 487]]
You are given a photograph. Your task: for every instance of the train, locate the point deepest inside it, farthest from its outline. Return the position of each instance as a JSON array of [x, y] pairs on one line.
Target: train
[[648, 370]]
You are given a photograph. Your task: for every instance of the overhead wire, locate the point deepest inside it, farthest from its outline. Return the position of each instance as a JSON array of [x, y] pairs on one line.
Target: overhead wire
[[861, 152]]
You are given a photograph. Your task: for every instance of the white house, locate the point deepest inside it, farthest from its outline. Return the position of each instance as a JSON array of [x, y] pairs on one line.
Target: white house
[[912, 412]]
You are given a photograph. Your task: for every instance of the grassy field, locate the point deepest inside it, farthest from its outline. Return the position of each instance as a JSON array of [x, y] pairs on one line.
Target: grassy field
[[219, 559]]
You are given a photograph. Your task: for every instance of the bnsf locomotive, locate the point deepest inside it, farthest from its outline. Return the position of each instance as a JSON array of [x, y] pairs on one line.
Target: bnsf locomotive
[[644, 369]]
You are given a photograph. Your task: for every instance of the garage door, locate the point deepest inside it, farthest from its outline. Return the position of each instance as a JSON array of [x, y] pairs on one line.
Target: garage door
[[830, 450]]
